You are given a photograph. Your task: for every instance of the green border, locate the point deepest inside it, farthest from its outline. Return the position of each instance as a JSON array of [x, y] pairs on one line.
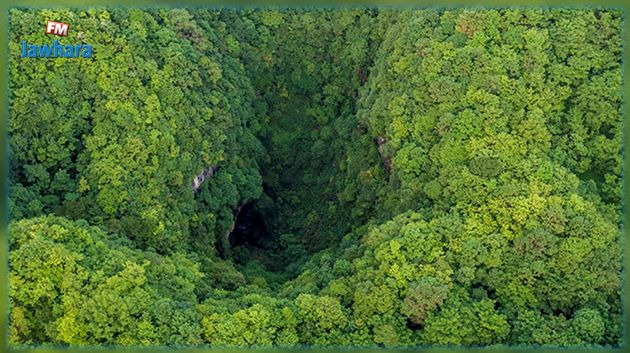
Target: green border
[[4, 143]]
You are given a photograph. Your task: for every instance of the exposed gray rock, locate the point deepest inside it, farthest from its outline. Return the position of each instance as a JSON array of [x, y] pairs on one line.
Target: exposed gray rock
[[387, 163], [201, 177]]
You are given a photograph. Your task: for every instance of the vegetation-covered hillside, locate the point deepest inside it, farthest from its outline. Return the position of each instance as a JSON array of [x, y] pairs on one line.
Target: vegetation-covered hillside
[[359, 177]]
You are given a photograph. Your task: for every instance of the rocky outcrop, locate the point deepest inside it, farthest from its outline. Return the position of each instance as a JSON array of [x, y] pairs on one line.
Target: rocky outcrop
[[201, 177], [387, 163]]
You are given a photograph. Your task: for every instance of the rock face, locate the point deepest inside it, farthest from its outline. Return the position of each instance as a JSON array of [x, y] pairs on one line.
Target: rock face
[[201, 177], [387, 163]]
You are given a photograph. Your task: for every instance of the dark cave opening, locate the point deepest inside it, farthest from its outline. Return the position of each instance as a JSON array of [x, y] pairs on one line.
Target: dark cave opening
[[255, 247], [249, 228]]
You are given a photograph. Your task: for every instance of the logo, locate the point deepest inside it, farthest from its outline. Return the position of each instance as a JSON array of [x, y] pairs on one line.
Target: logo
[[56, 49], [57, 28]]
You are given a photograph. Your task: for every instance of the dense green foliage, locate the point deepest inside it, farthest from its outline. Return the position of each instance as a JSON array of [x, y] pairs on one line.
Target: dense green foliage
[[370, 178]]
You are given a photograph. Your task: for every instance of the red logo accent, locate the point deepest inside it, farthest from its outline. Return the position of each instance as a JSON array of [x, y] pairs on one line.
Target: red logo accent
[[57, 28]]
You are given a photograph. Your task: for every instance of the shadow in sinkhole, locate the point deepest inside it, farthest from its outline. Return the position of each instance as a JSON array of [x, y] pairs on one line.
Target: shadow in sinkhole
[[260, 254], [251, 243], [249, 228]]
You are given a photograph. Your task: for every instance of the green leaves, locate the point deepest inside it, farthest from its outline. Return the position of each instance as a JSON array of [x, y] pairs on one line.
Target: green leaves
[[423, 297], [80, 287], [447, 177], [471, 323], [119, 128], [323, 319]]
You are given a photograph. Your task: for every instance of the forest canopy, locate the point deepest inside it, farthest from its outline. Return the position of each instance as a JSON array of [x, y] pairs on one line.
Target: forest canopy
[[321, 177]]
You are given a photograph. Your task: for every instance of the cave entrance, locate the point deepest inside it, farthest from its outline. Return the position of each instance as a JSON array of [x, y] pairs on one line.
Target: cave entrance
[[251, 243], [257, 251], [249, 228]]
